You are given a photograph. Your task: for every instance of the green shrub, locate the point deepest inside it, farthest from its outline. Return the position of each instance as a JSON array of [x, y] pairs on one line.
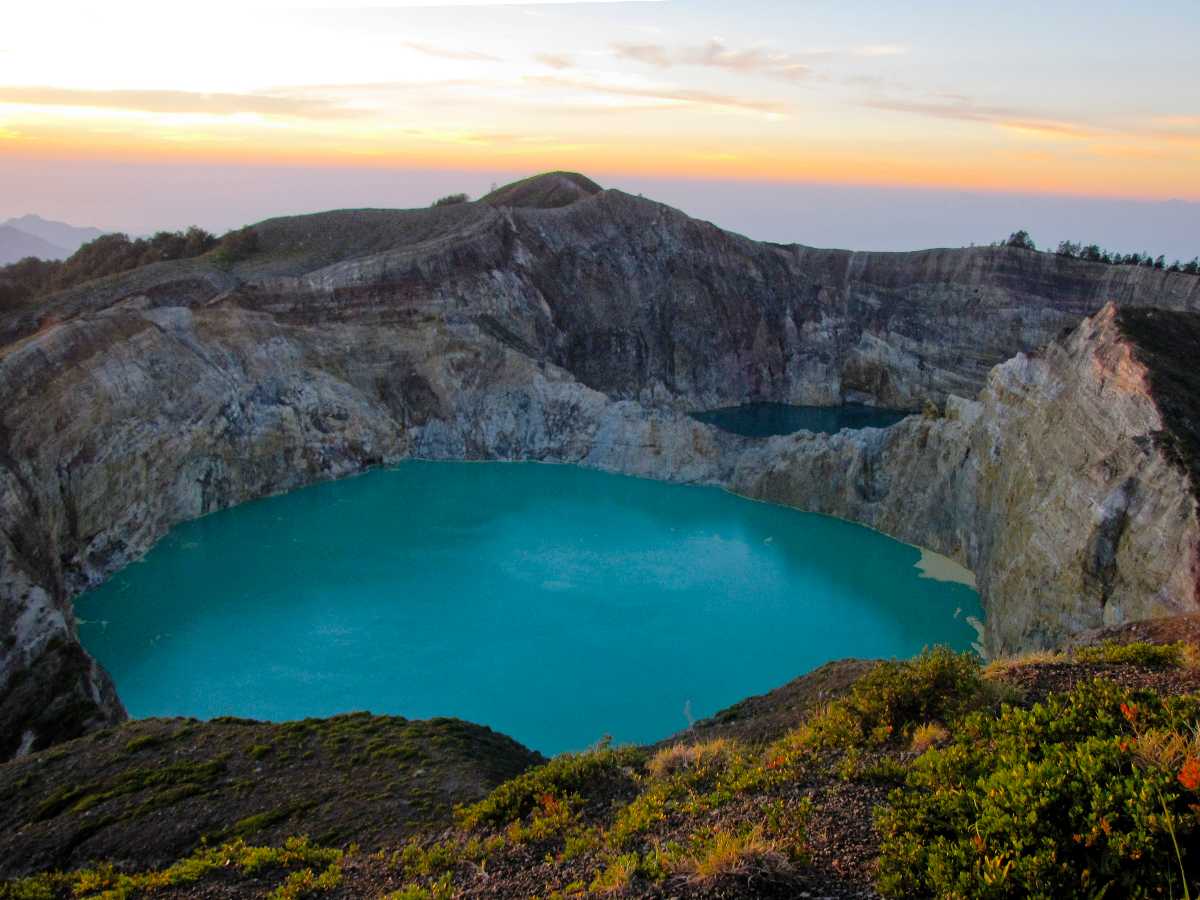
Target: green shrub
[[142, 742], [564, 776], [1066, 799], [236, 246], [418, 860], [1140, 654], [305, 883], [104, 881], [895, 698], [452, 200], [1021, 239]]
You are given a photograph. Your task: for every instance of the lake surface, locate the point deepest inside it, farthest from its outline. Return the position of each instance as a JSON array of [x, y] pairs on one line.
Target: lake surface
[[552, 603], [766, 419]]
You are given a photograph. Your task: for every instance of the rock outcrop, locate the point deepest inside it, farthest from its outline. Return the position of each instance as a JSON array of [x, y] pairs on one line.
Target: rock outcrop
[[577, 325], [1061, 487]]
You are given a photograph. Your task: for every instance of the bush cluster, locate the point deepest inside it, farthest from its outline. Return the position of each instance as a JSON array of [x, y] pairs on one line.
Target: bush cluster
[[110, 254], [1090, 793], [1096, 253], [895, 699], [563, 778]]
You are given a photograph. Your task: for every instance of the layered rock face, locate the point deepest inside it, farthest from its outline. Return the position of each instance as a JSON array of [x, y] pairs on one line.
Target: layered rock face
[[1058, 487], [127, 421], [572, 324]]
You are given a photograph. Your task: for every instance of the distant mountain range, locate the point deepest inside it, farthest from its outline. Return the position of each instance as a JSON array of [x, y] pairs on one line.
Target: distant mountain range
[[31, 235]]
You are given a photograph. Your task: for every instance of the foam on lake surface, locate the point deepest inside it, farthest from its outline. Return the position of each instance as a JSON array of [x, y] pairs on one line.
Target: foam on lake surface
[[552, 603], [766, 419]]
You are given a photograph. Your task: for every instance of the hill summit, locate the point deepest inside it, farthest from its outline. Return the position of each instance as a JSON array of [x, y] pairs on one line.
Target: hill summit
[[547, 191]]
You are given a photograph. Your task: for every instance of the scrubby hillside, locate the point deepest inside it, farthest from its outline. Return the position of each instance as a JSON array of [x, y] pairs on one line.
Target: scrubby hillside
[[147, 792], [1059, 775]]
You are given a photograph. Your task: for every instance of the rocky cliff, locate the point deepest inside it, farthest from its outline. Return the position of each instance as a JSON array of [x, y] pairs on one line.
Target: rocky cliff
[[1063, 487], [574, 324]]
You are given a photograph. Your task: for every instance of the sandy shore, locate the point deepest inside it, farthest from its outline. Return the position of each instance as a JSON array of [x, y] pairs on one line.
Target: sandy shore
[[943, 568]]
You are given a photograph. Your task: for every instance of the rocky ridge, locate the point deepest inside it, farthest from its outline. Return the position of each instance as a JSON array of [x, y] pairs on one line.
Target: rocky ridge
[[1054, 487], [579, 333]]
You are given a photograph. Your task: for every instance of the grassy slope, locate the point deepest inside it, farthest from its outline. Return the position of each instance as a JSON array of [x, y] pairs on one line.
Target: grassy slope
[[147, 792], [778, 798]]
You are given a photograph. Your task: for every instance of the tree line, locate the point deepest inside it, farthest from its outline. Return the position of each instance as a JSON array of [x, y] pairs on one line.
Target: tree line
[[1096, 253], [110, 254]]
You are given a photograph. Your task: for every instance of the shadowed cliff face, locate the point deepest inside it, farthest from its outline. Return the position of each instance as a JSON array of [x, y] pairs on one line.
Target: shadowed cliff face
[[574, 333]]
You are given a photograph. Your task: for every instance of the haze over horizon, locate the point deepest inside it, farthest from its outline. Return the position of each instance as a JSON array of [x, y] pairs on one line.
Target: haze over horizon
[[859, 125]]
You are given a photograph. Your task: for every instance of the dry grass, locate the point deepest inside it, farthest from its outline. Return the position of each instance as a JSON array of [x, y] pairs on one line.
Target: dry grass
[[681, 757], [616, 877], [931, 734], [1189, 656], [1166, 750], [747, 858], [997, 667]]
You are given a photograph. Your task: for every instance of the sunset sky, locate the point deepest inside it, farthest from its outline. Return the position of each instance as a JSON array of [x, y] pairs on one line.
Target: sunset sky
[[306, 106]]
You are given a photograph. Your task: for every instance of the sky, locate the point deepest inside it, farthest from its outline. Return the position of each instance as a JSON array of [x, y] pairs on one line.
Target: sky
[[876, 125]]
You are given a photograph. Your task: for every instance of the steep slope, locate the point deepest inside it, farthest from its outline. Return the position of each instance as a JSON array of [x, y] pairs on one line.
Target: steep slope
[[574, 333], [1060, 487]]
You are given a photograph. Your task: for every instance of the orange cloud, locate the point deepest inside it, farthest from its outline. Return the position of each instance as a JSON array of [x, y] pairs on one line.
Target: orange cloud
[[176, 102], [716, 55], [685, 96]]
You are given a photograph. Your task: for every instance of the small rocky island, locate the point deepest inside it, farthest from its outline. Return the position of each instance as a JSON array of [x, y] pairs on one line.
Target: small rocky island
[[1052, 450]]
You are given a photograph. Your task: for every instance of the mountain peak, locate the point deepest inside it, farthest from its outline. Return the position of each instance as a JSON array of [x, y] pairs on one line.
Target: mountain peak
[[17, 244], [63, 236], [546, 191]]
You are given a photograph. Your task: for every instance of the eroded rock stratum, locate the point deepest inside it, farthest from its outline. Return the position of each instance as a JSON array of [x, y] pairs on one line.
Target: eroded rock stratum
[[557, 321]]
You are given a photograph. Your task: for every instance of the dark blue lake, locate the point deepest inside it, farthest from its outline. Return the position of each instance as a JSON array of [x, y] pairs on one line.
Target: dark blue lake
[[766, 419], [552, 603]]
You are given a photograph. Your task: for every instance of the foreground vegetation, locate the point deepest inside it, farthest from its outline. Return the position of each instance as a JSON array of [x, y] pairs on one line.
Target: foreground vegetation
[[955, 780]]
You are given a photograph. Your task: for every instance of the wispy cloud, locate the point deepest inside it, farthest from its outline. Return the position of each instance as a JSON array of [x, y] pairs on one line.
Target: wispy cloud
[[1151, 139], [651, 54], [1186, 122], [449, 52], [373, 89], [880, 50], [964, 109], [944, 106], [677, 96], [715, 54], [556, 60], [179, 102]]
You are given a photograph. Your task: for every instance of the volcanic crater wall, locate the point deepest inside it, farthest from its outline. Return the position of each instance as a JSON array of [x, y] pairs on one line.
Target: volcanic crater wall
[[579, 332]]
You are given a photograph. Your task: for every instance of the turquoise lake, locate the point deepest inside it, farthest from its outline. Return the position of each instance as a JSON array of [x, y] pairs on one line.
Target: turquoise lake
[[551, 603], [766, 419]]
